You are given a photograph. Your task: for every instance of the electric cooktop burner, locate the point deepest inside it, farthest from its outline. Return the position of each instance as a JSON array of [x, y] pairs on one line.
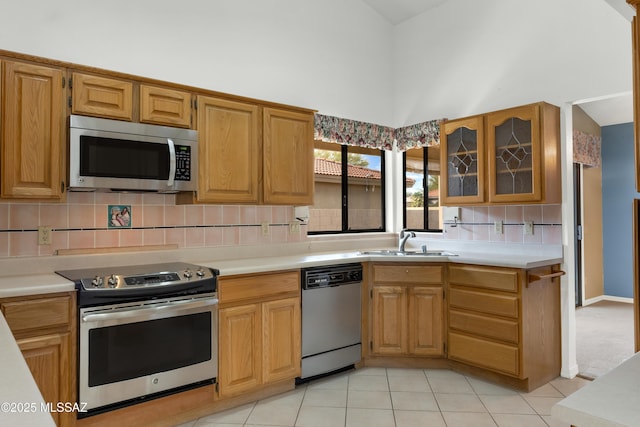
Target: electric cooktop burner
[[152, 280]]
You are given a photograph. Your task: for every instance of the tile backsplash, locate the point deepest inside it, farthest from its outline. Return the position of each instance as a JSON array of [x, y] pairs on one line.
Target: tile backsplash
[[478, 223], [82, 222]]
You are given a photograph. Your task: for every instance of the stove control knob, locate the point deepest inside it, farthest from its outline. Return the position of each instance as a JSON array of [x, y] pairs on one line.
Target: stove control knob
[[188, 274], [113, 281], [97, 282], [200, 272]]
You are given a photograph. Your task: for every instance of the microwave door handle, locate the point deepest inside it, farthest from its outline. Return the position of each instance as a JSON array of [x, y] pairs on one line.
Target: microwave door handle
[[172, 162]]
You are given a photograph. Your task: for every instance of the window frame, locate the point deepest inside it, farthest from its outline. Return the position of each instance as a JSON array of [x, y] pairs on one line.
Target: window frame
[[425, 192], [344, 150]]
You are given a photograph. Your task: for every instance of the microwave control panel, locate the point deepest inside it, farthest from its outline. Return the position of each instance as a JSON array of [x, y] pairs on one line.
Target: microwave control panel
[[183, 163]]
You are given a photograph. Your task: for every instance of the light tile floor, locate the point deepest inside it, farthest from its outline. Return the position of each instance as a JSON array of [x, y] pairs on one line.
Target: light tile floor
[[386, 397]]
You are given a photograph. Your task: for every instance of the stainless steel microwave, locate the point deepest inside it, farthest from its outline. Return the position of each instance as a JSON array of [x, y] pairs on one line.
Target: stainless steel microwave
[[112, 155]]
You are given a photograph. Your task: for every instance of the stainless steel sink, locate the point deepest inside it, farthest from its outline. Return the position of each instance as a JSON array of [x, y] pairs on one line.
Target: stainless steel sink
[[391, 252]]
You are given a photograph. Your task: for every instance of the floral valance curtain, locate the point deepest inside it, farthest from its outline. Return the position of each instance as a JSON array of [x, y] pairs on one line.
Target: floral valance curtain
[[425, 134], [586, 148], [363, 134], [352, 132]]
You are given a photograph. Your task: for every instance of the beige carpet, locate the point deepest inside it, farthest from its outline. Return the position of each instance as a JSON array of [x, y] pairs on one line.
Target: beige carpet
[[604, 337]]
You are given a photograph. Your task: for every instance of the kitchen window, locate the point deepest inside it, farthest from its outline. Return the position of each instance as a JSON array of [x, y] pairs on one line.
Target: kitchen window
[[349, 189], [421, 192]]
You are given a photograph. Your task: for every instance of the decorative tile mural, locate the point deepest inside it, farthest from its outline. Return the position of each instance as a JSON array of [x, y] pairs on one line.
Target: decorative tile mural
[[119, 216]]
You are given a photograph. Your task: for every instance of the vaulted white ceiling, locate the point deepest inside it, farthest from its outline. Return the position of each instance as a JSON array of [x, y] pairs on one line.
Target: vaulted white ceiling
[[614, 109], [397, 11]]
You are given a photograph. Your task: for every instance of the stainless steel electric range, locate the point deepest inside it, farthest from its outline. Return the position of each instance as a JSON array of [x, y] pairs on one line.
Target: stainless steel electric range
[[144, 331]]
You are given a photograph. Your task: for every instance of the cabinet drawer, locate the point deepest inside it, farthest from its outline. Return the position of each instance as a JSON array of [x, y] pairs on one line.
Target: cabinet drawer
[[408, 274], [488, 278], [487, 354], [491, 327], [501, 305], [258, 286], [37, 314]]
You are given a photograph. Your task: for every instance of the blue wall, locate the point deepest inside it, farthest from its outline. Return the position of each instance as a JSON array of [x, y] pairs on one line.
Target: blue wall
[[618, 192]]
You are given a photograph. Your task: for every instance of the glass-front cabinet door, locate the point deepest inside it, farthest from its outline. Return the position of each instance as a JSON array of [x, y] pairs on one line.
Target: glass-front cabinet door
[[462, 161], [513, 151]]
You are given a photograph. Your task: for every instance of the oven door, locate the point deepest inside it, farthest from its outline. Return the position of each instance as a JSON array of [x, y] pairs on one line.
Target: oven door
[[132, 350]]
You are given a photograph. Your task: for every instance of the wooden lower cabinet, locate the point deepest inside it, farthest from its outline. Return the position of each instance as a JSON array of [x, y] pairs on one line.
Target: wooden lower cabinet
[[505, 320], [407, 310], [48, 360], [240, 349], [44, 328], [281, 350], [260, 331]]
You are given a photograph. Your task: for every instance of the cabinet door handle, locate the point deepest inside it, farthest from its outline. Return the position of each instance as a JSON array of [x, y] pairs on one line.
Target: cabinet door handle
[[535, 277]]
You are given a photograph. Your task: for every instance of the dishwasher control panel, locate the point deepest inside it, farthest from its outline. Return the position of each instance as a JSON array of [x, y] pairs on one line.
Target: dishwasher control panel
[[331, 275]]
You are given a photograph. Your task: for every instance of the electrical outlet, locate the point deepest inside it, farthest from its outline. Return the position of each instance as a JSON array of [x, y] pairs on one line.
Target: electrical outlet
[[294, 227], [528, 228], [497, 226], [265, 228], [44, 235]]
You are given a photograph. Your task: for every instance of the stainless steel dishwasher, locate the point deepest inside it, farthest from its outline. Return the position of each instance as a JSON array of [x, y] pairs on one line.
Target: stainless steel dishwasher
[[330, 318]]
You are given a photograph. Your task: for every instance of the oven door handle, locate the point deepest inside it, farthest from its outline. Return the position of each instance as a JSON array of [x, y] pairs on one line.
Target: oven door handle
[[127, 312]]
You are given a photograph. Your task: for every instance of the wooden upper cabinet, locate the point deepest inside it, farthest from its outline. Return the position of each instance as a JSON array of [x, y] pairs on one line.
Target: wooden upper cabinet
[[514, 155], [462, 161], [102, 97], [288, 157], [523, 147], [163, 106], [253, 154], [229, 151], [32, 134], [503, 157]]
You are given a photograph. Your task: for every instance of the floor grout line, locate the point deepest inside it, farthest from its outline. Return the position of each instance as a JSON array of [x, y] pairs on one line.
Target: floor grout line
[[301, 393]]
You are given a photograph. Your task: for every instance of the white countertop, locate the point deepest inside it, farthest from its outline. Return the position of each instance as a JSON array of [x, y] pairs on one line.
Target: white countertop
[[611, 400], [245, 266], [31, 284], [12, 286], [20, 400]]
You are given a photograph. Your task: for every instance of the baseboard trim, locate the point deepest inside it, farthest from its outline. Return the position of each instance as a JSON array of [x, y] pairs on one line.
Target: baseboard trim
[[607, 298]]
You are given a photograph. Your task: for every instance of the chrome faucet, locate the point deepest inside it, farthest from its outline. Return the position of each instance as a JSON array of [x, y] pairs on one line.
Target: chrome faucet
[[403, 237]]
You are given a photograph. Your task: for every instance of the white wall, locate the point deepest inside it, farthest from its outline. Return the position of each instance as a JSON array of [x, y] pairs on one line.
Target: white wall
[[339, 56], [329, 55], [466, 56]]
